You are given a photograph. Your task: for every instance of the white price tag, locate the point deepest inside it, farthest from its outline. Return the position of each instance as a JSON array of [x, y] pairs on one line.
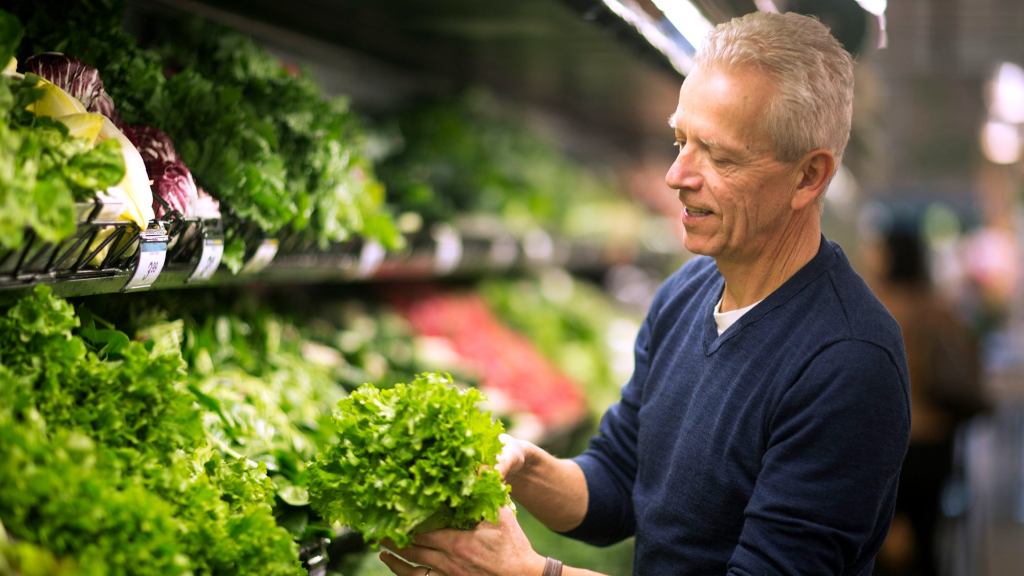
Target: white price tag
[[209, 260], [539, 246], [370, 258], [152, 255], [504, 251], [264, 254], [448, 253]]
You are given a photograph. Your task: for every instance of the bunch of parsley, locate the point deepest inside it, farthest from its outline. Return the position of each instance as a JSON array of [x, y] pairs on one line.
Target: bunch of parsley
[[410, 458]]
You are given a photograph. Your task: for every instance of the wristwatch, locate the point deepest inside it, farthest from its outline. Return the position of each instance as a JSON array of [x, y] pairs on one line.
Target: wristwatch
[[552, 567]]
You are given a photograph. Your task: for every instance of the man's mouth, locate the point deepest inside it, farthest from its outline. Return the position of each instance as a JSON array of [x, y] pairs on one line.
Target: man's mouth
[[696, 212]]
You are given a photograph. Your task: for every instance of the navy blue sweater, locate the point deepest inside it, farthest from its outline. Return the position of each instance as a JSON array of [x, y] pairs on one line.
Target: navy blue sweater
[[774, 448]]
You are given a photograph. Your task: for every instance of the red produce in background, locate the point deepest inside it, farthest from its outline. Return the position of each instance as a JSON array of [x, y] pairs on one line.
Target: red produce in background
[[505, 360]]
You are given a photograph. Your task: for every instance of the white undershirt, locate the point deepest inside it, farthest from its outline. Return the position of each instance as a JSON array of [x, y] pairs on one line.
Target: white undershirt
[[725, 319]]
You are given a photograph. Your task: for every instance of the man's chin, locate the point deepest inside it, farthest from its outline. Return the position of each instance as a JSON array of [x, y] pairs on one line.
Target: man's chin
[[698, 247]]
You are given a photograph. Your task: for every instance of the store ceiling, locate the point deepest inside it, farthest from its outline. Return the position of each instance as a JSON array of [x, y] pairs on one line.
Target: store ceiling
[[574, 61]]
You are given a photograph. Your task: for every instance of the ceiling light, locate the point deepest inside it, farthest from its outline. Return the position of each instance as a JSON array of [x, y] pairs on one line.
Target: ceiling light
[[876, 7], [686, 19], [1000, 142], [678, 54], [1006, 95]]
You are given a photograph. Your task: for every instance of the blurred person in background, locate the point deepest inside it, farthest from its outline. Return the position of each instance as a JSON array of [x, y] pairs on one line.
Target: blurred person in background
[[945, 375], [764, 426]]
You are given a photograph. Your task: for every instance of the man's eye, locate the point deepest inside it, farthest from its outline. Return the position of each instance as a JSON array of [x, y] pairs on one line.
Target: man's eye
[[679, 144]]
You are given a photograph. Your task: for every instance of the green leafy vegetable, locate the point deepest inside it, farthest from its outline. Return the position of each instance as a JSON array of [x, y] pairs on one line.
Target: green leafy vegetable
[[98, 167], [10, 36], [43, 169], [92, 32], [326, 180], [261, 138], [470, 155], [231, 151], [60, 491], [104, 459], [26, 559], [267, 390], [410, 458]]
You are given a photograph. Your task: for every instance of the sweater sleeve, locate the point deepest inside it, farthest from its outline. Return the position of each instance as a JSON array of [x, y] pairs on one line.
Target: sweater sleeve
[[610, 462], [830, 469]]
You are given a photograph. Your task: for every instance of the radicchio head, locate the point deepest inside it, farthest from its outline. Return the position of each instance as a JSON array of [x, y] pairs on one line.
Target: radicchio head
[[173, 183], [74, 77], [153, 144]]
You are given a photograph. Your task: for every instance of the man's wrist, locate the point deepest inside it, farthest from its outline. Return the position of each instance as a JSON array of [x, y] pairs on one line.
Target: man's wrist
[[552, 567]]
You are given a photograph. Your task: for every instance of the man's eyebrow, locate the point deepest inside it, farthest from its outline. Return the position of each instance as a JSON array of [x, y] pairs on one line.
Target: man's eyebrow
[[710, 143], [706, 142]]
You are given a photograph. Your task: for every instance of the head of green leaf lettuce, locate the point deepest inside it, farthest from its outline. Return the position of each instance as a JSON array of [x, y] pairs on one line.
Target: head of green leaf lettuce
[[408, 459]]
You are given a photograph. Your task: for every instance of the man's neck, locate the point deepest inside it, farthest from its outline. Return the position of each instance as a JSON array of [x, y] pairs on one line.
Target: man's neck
[[750, 281]]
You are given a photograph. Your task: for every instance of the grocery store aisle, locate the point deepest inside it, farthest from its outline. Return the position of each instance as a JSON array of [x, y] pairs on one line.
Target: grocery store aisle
[[984, 502]]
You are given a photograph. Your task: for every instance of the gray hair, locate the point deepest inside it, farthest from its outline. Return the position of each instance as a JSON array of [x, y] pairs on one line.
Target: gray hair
[[813, 107]]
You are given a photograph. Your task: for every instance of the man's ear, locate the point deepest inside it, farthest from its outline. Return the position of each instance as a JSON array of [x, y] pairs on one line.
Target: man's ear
[[816, 169]]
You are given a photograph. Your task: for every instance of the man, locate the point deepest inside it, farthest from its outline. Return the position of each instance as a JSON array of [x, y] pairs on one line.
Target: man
[[764, 425]]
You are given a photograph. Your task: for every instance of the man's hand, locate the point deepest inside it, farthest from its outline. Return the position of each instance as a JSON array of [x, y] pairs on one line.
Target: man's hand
[[552, 489], [513, 457], [488, 550]]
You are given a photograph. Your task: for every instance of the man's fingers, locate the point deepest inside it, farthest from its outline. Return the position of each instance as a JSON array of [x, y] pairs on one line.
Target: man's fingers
[[422, 556], [398, 566], [433, 539], [511, 457], [506, 514], [503, 465]]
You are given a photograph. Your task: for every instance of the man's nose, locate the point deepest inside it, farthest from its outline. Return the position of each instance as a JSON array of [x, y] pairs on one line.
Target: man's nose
[[683, 174]]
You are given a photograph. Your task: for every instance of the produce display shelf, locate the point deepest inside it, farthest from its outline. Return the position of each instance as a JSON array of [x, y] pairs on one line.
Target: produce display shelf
[[107, 255]]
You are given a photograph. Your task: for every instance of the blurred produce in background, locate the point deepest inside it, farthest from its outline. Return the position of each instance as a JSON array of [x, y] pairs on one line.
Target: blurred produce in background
[[172, 432]]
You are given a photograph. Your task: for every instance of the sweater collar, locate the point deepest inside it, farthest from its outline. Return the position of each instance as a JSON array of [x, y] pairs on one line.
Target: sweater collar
[[828, 253]]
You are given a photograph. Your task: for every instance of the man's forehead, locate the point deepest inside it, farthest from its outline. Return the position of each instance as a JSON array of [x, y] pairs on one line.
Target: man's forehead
[[678, 116], [679, 119]]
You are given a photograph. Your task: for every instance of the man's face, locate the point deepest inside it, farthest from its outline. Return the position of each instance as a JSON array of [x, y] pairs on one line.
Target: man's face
[[735, 194]]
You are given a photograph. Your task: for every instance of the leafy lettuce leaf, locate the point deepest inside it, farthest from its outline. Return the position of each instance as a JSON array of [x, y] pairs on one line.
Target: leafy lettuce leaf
[[10, 36], [43, 169], [411, 458], [263, 139], [104, 458]]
